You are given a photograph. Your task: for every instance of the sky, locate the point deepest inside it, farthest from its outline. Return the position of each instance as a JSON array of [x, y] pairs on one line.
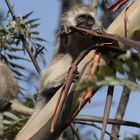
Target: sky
[[48, 12]]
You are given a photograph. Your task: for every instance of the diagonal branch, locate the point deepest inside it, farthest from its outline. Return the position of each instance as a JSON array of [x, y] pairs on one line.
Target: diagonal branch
[[107, 110], [23, 39], [66, 87], [121, 111], [89, 93], [73, 70]]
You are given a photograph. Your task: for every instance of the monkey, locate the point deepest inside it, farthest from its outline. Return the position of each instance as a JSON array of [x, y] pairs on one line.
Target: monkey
[[67, 49], [9, 91], [8, 87], [80, 15]]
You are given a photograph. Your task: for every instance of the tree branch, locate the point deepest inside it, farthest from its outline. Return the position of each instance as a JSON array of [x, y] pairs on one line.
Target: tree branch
[[23, 39], [94, 125], [107, 109], [110, 121], [121, 111], [75, 132]]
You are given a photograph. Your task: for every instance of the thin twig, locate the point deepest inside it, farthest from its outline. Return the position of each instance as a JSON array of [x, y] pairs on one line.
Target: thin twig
[[107, 109], [94, 125], [121, 110], [70, 77], [90, 92], [75, 132], [110, 121], [106, 37], [23, 39], [122, 103], [66, 87], [92, 72], [114, 7], [11, 9]]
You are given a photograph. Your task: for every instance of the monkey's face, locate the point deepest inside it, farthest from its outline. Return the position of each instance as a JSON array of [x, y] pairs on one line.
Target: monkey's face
[[85, 20], [83, 16]]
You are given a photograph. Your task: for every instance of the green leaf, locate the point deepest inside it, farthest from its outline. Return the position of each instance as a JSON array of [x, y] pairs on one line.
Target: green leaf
[[34, 25], [27, 15], [31, 21], [38, 39]]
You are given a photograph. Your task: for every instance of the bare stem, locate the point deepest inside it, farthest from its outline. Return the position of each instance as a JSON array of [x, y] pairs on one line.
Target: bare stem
[[107, 109], [110, 121]]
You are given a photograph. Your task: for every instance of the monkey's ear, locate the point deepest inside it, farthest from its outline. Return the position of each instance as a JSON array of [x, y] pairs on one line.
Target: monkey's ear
[[95, 5]]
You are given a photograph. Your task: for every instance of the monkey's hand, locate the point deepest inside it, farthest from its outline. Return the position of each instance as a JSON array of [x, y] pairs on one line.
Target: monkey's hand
[[65, 30], [100, 30]]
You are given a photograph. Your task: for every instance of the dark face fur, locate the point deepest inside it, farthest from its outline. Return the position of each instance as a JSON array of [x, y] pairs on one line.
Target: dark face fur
[[85, 21], [83, 16]]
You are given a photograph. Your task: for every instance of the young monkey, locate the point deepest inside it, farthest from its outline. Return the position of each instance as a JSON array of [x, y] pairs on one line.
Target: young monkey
[[68, 48]]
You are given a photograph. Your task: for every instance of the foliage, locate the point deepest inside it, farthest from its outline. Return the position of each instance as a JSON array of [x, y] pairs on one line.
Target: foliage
[[13, 122], [127, 72], [13, 53], [11, 48], [133, 137]]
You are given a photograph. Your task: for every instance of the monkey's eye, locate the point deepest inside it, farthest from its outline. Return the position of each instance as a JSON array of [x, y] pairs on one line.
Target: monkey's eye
[[91, 20], [81, 18]]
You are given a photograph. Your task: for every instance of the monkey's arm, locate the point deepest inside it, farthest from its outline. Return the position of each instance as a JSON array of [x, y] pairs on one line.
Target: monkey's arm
[[52, 78], [54, 75]]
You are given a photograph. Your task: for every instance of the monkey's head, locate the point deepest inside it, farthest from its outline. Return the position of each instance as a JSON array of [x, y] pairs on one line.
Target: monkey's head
[[83, 16]]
